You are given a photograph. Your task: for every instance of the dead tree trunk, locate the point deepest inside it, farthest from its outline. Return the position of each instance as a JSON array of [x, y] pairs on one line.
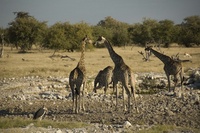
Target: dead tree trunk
[[2, 49]]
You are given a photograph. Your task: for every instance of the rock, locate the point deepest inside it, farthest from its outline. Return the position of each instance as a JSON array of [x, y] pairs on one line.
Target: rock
[[58, 131], [169, 113], [110, 127], [195, 98], [30, 115], [30, 125], [179, 94], [127, 124], [170, 93], [64, 80], [22, 97], [59, 97], [68, 131]]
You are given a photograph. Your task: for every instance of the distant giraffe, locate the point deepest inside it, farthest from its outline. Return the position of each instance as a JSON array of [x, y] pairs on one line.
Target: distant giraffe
[[77, 79], [121, 73], [171, 67], [103, 79]]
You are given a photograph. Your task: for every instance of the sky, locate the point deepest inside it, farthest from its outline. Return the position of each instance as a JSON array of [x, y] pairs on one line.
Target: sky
[[93, 11]]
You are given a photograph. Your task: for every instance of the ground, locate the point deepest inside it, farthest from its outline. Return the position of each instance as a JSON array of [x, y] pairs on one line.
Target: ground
[[33, 79], [162, 108]]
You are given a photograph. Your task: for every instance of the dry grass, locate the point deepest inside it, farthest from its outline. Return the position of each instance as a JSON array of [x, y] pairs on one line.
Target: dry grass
[[40, 63], [167, 129], [21, 122]]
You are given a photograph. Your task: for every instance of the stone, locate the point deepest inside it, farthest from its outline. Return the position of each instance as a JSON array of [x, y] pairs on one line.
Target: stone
[[30, 125], [58, 131], [59, 97], [127, 124]]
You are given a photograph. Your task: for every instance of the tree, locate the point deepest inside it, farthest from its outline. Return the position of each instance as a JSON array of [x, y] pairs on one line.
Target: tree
[[67, 36], [143, 33], [55, 38], [117, 30], [80, 30], [164, 32], [25, 30], [190, 31], [101, 31], [120, 37]]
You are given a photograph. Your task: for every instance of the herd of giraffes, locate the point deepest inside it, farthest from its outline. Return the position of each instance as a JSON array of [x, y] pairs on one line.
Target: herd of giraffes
[[120, 73]]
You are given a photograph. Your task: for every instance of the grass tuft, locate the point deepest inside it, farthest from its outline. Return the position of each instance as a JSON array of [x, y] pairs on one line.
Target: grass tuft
[[167, 129], [21, 122]]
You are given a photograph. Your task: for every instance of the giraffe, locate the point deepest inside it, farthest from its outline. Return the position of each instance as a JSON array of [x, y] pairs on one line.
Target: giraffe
[[77, 79], [103, 79], [121, 73], [171, 67]]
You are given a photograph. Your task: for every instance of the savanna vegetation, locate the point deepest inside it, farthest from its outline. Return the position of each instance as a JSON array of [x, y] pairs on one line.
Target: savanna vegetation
[[25, 34], [25, 31], [42, 63]]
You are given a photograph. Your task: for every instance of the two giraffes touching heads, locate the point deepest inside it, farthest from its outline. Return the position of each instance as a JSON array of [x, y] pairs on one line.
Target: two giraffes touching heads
[[121, 73]]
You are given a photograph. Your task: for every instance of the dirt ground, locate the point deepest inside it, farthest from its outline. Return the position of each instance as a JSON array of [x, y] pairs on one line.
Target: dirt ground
[[19, 98]]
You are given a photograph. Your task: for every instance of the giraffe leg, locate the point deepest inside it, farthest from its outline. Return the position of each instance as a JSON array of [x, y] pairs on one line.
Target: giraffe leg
[[175, 82], [168, 79], [73, 104], [105, 89], [129, 98], [83, 92], [76, 106], [123, 93], [132, 81], [136, 106], [116, 97], [116, 91], [181, 78]]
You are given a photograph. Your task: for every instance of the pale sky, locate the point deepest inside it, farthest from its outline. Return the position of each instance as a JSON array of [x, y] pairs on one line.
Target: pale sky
[[92, 11]]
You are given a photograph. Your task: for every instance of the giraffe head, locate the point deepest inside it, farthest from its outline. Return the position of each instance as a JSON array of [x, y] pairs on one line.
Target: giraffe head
[[100, 40], [148, 48], [147, 52], [86, 40]]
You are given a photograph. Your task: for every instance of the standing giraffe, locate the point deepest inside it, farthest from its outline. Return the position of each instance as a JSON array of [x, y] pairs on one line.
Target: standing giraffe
[[77, 79], [121, 73], [103, 79], [171, 67]]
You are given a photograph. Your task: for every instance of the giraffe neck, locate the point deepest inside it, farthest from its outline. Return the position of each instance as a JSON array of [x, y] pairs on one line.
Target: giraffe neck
[[117, 59], [82, 58], [165, 59]]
